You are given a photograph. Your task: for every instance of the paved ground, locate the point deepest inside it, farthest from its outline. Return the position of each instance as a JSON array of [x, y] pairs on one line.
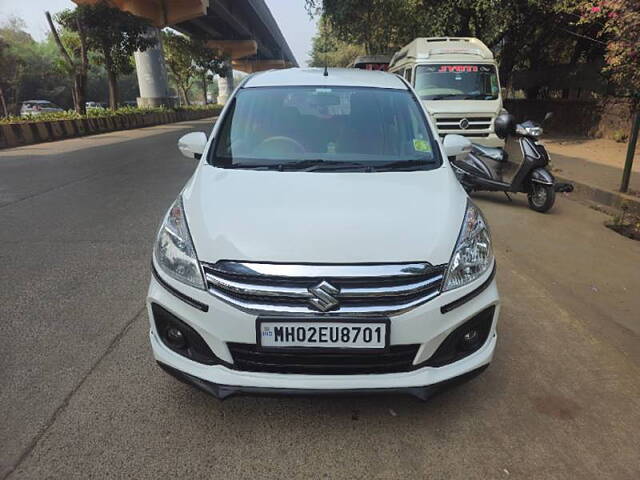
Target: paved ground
[[81, 397], [597, 162]]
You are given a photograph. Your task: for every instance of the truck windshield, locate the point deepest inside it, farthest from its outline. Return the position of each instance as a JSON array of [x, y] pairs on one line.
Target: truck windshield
[[457, 82], [325, 129]]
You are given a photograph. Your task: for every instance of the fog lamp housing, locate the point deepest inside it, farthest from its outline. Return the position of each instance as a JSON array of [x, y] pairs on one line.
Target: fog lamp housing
[[464, 340], [180, 337]]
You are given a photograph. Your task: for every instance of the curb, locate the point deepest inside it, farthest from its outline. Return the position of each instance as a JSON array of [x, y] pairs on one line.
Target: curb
[[30, 133], [608, 198]]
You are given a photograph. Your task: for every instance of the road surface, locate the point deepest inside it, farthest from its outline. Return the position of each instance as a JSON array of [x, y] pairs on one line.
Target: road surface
[[81, 396]]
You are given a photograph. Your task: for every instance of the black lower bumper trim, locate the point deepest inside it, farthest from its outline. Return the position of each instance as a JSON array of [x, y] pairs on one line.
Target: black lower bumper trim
[[225, 391]]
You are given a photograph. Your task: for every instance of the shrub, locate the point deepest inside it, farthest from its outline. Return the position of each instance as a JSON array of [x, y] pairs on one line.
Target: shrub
[[620, 136], [104, 113]]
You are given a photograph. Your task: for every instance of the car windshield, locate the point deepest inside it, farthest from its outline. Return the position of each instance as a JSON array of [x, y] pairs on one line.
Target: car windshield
[[316, 128], [456, 82]]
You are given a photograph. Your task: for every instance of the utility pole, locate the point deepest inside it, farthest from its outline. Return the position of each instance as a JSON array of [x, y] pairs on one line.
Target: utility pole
[[631, 149]]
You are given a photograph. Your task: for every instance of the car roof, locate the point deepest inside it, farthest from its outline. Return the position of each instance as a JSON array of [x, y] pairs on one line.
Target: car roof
[[337, 77], [37, 101]]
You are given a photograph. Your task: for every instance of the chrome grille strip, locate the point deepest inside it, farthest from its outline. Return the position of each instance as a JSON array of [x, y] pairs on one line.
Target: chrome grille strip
[[290, 289], [355, 311], [319, 270], [475, 125], [253, 289], [246, 288]]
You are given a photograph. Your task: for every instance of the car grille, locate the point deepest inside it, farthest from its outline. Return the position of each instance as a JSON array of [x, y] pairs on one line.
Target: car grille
[[355, 290], [475, 126], [249, 357]]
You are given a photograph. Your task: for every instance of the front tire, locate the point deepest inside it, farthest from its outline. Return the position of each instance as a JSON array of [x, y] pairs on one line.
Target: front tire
[[541, 197]]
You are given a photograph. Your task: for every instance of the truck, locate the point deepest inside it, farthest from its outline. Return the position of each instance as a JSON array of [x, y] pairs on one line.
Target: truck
[[457, 80]]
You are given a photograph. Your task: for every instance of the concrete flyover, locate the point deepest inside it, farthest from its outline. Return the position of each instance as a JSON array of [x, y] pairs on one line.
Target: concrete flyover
[[243, 30]]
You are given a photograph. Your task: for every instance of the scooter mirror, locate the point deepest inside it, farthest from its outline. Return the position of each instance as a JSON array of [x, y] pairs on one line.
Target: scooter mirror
[[455, 145], [547, 116]]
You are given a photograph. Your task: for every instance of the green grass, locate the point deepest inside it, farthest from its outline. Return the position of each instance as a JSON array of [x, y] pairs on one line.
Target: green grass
[[104, 113]]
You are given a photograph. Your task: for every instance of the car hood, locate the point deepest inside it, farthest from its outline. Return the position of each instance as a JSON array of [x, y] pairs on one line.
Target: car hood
[[312, 217], [489, 107]]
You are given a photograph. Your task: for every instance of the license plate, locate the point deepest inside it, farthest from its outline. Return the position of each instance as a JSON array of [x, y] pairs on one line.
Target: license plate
[[323, 334]]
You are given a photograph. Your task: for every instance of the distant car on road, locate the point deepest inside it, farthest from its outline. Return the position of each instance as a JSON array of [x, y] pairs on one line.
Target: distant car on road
[[93, 105], [38, 107]]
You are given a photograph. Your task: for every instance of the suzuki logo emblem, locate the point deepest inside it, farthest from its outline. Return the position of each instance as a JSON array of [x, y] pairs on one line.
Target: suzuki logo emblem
[[464, 124], [324, 296]]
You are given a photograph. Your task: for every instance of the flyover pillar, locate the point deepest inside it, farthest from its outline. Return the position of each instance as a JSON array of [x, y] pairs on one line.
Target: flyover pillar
[[152, 75], [225, 85]]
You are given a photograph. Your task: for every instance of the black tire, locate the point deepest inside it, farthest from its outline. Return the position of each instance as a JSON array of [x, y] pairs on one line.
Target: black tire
[[541, 197]]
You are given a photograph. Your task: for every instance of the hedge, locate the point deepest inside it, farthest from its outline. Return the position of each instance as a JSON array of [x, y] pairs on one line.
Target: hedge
[[17, 131], [103, 113]]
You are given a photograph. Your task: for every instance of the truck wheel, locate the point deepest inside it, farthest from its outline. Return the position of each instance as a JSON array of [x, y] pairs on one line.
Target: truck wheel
[[541, 197]]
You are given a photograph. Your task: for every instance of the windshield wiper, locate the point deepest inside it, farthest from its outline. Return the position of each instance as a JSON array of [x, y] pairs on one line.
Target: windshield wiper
[[440, 97], [256, 166], [480, 96], [307, 165], [405, 164], [334, 165]]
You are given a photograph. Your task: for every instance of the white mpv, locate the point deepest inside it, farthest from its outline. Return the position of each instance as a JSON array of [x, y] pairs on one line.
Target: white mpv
[[323, 245]]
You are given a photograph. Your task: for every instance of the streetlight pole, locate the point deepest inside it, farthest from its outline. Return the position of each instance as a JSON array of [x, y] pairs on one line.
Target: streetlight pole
[[631, 150]]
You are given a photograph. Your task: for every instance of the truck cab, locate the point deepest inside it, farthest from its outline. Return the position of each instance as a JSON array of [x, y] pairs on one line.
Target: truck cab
[[457, 80]]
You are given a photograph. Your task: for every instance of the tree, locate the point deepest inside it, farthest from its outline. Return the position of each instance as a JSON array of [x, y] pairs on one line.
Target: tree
[[329, 51], [9, 65], [114, 35], [77, 65], [178, 55], [617, 25], [29, 69], [506, 26], [208, 63], [376, 25], [621, 32]]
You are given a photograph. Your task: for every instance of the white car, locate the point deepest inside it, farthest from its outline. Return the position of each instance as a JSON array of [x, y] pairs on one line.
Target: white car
[[38, 107], [89, 105], [323, 245]]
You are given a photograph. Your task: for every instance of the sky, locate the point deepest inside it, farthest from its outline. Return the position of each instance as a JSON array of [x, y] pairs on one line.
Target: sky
[[294, 22]]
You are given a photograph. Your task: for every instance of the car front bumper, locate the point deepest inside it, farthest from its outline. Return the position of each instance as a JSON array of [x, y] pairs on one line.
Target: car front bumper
[[425, 325], [223, 392]]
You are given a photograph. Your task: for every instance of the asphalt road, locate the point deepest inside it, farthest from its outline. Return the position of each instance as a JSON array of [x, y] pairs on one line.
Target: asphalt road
[[80, 395]]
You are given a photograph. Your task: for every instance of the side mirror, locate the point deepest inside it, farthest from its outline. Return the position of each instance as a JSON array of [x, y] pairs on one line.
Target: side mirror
[[455, 145], [547, 116], [192, 144]]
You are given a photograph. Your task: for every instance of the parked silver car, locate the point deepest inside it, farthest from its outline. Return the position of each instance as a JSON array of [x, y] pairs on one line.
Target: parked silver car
[[38, 107]]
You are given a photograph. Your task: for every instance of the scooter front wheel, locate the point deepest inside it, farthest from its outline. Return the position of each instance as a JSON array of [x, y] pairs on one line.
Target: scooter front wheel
[[541, 197]]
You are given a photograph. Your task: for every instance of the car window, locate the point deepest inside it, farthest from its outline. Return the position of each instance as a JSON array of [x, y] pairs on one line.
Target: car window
[[407, 74], [272, 125]]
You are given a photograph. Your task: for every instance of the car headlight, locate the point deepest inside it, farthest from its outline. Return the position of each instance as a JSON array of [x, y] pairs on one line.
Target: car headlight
[[174, 249], [473, 254]]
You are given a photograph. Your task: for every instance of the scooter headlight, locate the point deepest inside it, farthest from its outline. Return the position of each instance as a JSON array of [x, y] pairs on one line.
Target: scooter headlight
[[174, 249], [473, 254]]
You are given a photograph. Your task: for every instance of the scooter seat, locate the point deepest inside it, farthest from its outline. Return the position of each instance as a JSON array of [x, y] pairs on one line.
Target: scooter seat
[[494, 153]]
